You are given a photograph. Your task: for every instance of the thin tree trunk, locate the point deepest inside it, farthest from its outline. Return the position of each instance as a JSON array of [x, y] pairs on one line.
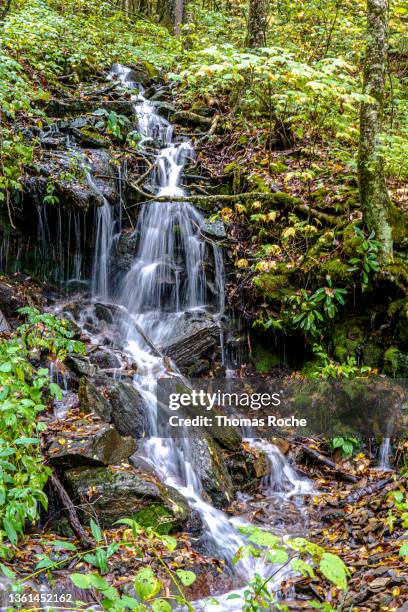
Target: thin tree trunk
[[374, 198], [257, 23]]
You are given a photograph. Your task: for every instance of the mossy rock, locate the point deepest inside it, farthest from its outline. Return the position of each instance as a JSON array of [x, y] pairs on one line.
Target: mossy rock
[[399, 224], [336, 268], [351, 338], [265, 359], [113, 494], [273, 285], [156, 517], [258, 183], [399, 311], [278, 167], [350, 240], [396, 362]]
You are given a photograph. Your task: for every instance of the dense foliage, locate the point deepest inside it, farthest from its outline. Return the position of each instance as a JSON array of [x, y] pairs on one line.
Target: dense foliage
[[25, 390]]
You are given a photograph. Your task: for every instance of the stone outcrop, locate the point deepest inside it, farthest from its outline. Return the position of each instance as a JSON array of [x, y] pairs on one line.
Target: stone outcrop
[[113, 494]]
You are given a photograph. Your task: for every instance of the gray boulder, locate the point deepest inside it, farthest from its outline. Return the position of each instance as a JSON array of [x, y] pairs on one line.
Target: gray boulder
[[208, 463], [113, 494], [96, 444], [194, 349]]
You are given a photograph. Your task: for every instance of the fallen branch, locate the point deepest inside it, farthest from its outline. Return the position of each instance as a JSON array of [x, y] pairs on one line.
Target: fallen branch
[[279, 199], [70, 511], [354, 496], [316, 456]]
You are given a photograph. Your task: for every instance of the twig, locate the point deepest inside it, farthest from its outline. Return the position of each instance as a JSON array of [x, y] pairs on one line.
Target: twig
[[70, 511]]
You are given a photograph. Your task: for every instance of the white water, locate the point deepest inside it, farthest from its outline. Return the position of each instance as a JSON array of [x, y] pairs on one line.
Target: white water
[[384, 455], [168, 279]]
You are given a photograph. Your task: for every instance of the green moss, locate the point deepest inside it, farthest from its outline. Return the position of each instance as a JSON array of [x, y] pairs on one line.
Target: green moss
[[157, 517], [399, 224], [398, 271], [351, 338], [265, 359], [258, 184], [272, 285], [399, 311], [278, 167], [396, 363], [350, 240], [336, 268]]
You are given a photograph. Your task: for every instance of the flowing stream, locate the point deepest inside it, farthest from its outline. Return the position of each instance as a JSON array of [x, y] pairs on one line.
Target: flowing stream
[[168, 282]]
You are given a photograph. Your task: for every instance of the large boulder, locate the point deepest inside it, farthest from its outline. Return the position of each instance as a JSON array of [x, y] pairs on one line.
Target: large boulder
[[128, 412], [116, 402], [194, 349], [93, 444], [209, 465], [10, 301], [113, 494]]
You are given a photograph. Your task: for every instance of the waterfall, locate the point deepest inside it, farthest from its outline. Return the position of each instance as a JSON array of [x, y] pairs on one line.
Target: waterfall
[[169, 279], [384, 455]]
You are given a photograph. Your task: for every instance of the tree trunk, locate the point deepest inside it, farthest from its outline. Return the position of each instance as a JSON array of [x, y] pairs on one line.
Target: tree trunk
[[257, 23], [171, 14], [375, 202]]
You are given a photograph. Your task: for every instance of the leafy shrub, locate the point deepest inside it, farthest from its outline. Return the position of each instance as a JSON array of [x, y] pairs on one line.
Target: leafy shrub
[[24, 393]]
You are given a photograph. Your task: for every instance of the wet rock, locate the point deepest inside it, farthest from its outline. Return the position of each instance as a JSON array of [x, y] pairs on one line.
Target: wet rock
[[165, 109], [214, 229], [65, 108], [283, 445], [208, 463], [81, 365], [4, 326], [106, 312], [89, 138], [128, 412], [194, 349], [125, 251], [93, 400], [105, 358], [115, 494], [92, 445], [10, 301]]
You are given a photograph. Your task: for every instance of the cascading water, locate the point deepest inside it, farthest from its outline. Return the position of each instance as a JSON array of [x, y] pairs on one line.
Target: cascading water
[[167, 281]]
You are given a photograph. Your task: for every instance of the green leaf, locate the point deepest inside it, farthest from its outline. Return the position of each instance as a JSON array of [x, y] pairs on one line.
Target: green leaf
[[403, 551], [60, 545], [10, 531], [146, 584], [298, 565], [170, 542], [186, 577], [333, 568], [263, 538], [160, 605], [96, 531], [98, 582], [277, 556], [81, 581], [7, 572], [26, 441]]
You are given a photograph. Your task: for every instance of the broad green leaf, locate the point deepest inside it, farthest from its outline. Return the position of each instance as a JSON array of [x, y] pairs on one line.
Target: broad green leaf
[[186, 577], [81, 581], [333, 568], [146, 584]]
